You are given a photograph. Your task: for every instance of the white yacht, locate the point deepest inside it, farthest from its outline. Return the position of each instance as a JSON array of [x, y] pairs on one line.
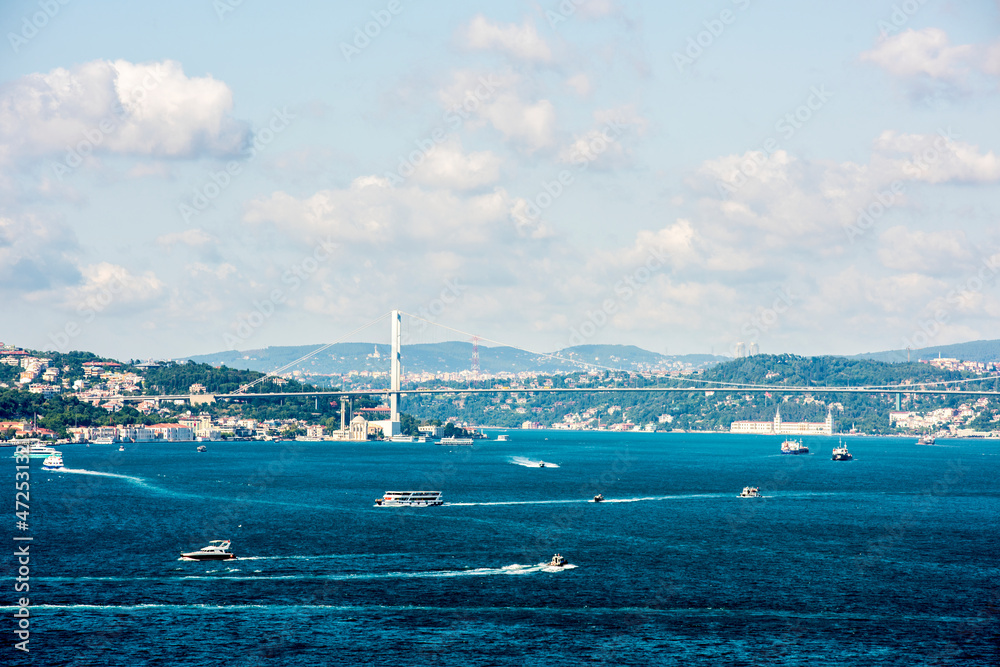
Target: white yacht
[[53, 462], [36, 450], [750, 492], [410, 499], [216, 550], [451, 440]]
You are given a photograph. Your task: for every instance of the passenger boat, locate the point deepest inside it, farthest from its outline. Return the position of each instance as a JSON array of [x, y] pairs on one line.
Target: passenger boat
[[750, 492], [53, 462], [840, 453], [35, 450], [410, 499], [216, 550], [926, 440], [451, 440], [503, 437], [793, 447], [558, 561], [599, 498]]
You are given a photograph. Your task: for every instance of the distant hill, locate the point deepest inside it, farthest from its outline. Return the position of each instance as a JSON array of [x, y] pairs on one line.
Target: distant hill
[[977, 350], [453, 357]]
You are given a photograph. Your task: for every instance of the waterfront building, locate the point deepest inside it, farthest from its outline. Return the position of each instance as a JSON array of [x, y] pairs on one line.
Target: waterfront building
[[780, 427]]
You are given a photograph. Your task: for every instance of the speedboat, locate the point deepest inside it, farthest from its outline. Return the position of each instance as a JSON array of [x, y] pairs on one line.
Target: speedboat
[[121, 448], [202, 448], [541, 464], [750, 492], [558, 561], [599, 498], [216, 550], [53, 462]]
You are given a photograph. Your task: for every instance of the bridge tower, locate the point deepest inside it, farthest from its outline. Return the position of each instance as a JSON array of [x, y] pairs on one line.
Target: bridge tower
[[394, 384]]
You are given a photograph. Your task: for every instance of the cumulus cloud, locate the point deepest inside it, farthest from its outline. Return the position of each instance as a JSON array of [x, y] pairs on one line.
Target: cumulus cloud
[[521, 41], [603, 146], [146, 109], [917, 251], [372, 213], [529, 125], [926, 58], [448, 166], [107, 287]]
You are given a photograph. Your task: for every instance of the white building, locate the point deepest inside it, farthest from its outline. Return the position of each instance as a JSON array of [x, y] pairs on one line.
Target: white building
[[779, 427]]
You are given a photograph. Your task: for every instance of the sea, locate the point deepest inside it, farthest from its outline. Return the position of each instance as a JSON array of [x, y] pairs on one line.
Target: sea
[[892, 558]]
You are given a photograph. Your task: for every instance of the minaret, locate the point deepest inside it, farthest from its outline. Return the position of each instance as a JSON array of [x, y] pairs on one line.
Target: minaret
[[777, 421]]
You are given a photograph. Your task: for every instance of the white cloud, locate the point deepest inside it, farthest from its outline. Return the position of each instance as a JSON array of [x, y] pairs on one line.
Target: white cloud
[[936, 158], [35, 253], [925, 59], [108, 287], [189, 237], [580, 84], [521, 41], [923, 252], [529, 125], [602, 146], [149, 109], [448, 166]]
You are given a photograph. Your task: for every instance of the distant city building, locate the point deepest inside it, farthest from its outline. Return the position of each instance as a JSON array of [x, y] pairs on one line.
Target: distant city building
[[779, 427], [752, 349], [741, 350]]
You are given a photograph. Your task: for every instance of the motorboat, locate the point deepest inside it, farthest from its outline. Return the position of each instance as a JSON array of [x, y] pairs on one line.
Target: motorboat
[[53, 462], [840, 453], [926, 440], [410, 499], [202, 448], [121, 448], [541, 464], [558, 561], [216, 550], [599, 498], [502, 437], [750, 492]]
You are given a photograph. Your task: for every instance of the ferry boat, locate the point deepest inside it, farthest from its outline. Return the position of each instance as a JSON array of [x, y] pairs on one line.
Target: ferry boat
[[53, 462], [926, 440], [35, 450], [793, 447], [503, 437], [410, 499], [103, 441], [216, 550], [558, 561], [750, 492], [599, 498], [840, 453], [451, 440]]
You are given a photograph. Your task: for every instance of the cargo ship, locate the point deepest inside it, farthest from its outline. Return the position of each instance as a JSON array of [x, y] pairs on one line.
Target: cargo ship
[[793, 447]]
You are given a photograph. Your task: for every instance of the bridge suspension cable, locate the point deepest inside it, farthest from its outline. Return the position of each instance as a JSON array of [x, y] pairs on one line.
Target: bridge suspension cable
[[278, 371]]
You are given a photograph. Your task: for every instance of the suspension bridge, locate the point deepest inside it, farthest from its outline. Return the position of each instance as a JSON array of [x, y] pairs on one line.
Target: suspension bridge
[[691, 384]]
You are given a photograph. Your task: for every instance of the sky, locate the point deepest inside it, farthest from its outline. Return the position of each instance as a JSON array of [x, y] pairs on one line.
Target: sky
[[188, 177]]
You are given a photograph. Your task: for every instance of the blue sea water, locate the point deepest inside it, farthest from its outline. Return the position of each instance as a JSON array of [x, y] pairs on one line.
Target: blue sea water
[[889, 559]]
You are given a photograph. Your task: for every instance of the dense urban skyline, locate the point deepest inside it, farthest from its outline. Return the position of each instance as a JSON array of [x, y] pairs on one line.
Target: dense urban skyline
[[204, 176]]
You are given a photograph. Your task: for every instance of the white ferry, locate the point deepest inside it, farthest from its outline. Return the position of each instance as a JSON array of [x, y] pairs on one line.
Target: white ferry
[[503, 437], [410, 499], [451, 440], [53, 462], [35, 450]]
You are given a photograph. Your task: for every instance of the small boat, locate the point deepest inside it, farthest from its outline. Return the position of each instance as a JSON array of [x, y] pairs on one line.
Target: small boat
[[840, 453], [451, 440], [558, 561], [750, 492], [793, 447], [53, 462], [926, 440], [502, 437], [121, 448], [599, 498], [216, 550], [541, 464], [202, 448]]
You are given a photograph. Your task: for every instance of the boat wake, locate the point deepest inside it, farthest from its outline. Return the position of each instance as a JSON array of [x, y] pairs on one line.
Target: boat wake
[[587, 500], [528, 463]]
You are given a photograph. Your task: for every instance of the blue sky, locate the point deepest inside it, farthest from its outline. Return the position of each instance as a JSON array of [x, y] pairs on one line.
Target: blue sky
[[210, 175]]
